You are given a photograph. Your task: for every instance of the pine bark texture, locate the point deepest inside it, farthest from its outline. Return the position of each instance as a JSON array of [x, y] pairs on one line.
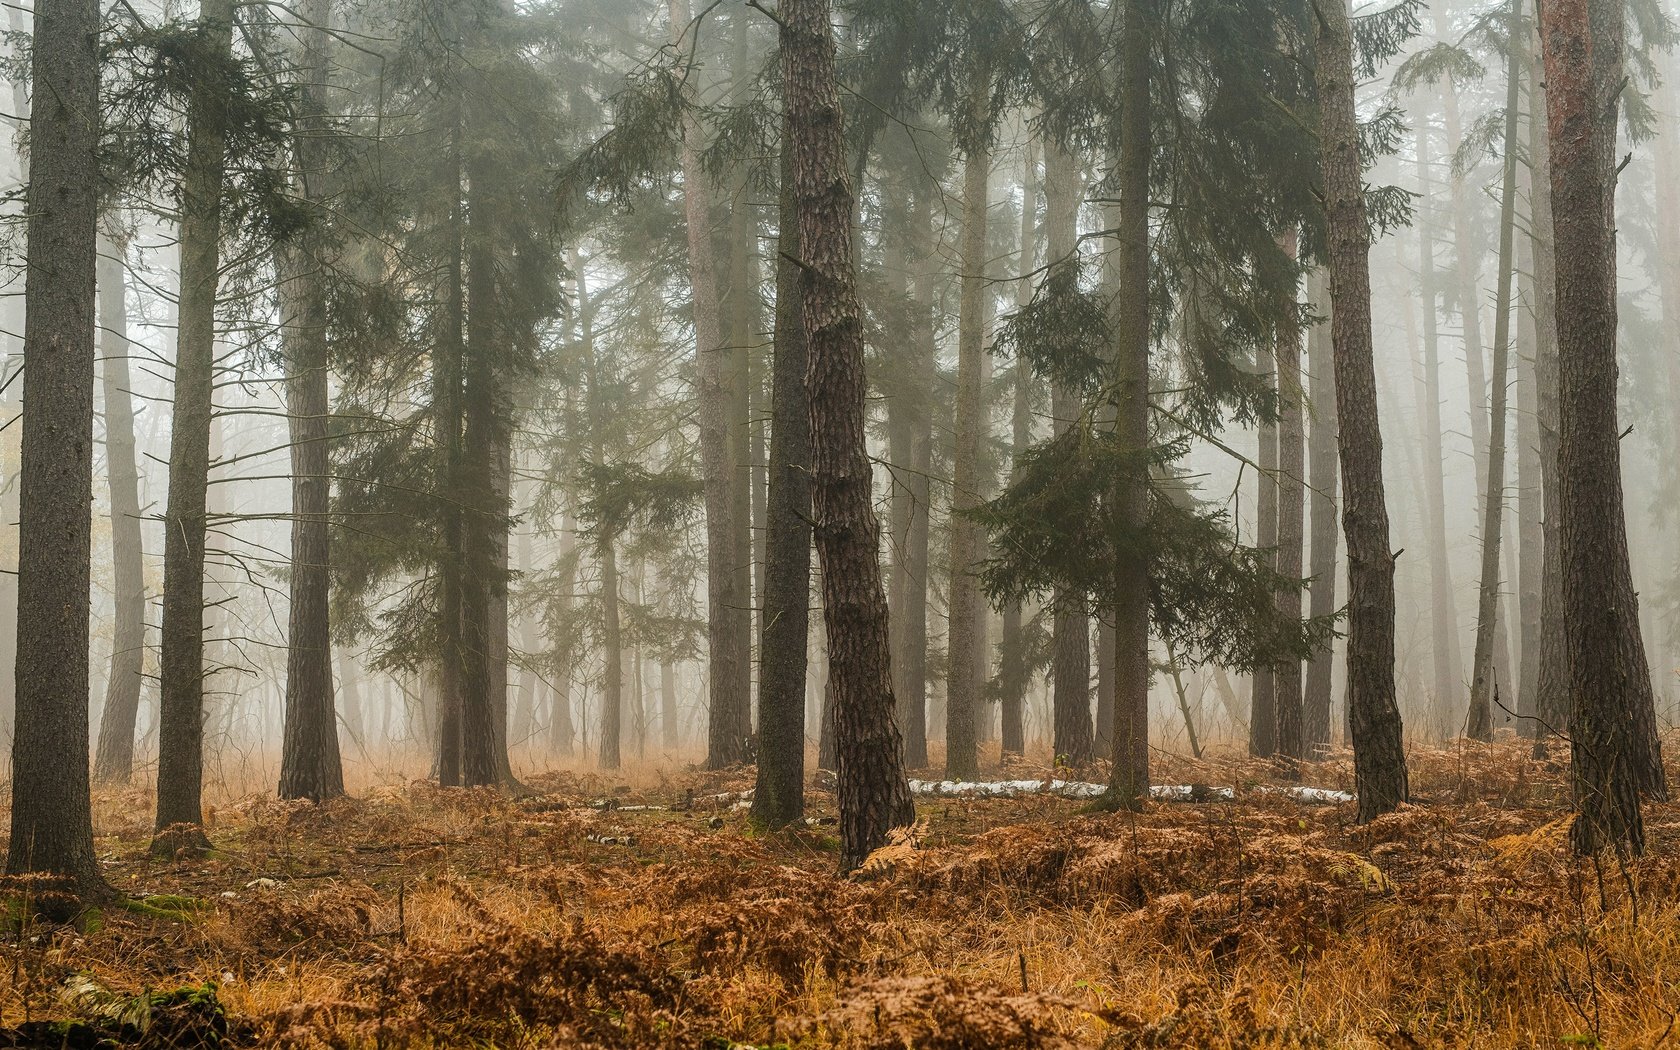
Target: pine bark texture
[[1378, 754], [181, 718], [786, 620], [52, 825], [310, 765], [1129, 775], [873, 794], [965, 608], [1607, 673]]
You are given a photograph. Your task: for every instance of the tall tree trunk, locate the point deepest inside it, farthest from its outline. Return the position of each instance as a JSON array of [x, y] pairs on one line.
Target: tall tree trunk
[[1070, 699], [1379, 757], [562, 731], [52, 824], [728, 727], [872, 791], [1530, 484], [1262, 706], [1012, 669], [609, 750], [965, 608], [786, 622], [1322, 476], [114, 758], [1552, 672], [181, 717], [483, 489], [1482, 684], [741, 299], [1291, 499], [669, 735], [310, 766], [448, 365], [1444, 638], [1608, 680], [1129, 778], [913, 406]]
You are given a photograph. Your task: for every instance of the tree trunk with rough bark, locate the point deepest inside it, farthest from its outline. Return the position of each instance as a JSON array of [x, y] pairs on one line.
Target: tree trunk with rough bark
[[873, 794], [786, 620], [310, 765], [1012, 666], [1378, 754], [180, 776], [52, 824], [1608, 679]]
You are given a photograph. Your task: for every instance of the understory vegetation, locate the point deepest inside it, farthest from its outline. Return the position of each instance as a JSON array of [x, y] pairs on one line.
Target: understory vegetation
[[643, 909]]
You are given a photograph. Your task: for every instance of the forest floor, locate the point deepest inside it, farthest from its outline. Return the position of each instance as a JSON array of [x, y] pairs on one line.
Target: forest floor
[[416, 916]]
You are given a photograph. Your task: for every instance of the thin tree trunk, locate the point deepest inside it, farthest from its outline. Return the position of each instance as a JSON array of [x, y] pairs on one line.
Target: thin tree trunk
[[1322, 476], [1262, 706], [52, 825], [114, 758], [608, 752], [1012, 670], [1129, 778], [963, 685], [1070, 715], [1530, 484], [1291, 498], [786, 622], [1444, 609], [872, 791], [1608, 678], [1482, 684], [181, 717], [741, 299], [1378, 755], [310, 766], [727, 730], [562, 731]]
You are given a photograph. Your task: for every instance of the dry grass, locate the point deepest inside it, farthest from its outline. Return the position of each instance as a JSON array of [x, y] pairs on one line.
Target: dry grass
[[414, 916]]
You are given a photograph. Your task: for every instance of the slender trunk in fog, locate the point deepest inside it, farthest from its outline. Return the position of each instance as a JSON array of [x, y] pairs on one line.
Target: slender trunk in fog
[[310, 765], [1483, 688], [1378, 755], [1262, 706], [911, 412], [114, 758], [963, 685], [1444, 615], [1012, 671], [1129, 777], [608, 752], [181, 717], [562, 731], [728, 724], [1291, 498], [1072, 738], [786, 622], [1316, 697]]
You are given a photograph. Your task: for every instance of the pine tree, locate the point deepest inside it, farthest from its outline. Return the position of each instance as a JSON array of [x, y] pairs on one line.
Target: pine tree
[[52, 822], [872, 791]]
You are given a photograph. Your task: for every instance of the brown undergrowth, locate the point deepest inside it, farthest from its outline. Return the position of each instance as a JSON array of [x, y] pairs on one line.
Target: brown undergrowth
[[412, 916]]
